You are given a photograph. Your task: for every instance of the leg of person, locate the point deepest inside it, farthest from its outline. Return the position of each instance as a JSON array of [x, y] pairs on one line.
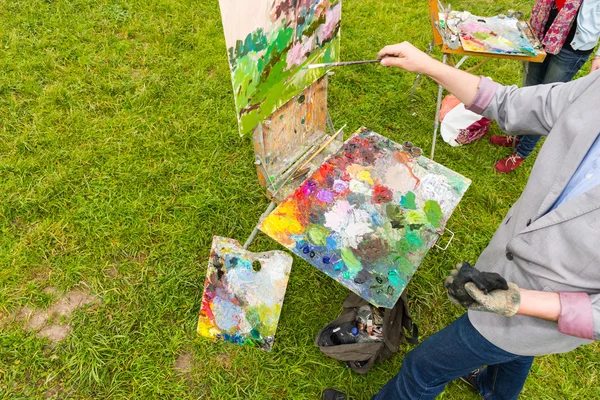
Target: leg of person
[[564, 66], [537, 71], [526, 145], [451, 353], [504, 381]]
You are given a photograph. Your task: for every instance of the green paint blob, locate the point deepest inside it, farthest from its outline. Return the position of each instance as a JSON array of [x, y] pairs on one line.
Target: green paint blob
[[416, 217], [394, 277], [413, 239], [393, 212], [408, 201], [352, 263], [317, 234], [255, 334], [434, 213], [404, 266]]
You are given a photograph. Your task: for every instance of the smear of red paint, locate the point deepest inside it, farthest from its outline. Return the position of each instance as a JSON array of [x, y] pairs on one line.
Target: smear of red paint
[[382, 194], [207, 311]]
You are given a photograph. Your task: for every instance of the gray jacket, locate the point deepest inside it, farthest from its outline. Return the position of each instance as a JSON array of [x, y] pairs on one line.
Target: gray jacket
[[557, 251]]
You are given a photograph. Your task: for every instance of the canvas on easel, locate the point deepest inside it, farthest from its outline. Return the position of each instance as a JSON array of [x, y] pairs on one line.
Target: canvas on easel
[[269, 43]]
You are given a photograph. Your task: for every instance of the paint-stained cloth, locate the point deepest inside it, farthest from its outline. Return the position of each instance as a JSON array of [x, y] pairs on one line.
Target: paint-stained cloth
[[539, 247]]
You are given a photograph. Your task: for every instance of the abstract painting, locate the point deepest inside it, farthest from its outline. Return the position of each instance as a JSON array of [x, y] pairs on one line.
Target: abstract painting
[[269, 43], [494, 35], [368, 215], [241, 305]]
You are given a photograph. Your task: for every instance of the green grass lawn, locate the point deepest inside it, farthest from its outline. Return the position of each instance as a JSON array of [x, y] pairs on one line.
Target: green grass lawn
[[120, 158]]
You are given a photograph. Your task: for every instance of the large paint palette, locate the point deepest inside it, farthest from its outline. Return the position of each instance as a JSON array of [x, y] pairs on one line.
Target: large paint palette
[[269, 44], [241, 305], [494, 35], [368, 215]]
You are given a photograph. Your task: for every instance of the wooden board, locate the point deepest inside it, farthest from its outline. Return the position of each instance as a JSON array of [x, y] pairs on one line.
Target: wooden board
[[460, 51], [290, 132]]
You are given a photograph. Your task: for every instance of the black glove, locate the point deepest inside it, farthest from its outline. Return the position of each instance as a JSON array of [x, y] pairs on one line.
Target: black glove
[[464, 273]]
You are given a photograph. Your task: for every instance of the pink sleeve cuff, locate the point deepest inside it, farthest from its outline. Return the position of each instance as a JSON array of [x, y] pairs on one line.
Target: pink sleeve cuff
[[484, 96], [576, 317]]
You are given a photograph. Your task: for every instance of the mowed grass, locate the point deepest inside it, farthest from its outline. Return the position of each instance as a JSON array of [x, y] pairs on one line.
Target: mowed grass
[[120, 159]]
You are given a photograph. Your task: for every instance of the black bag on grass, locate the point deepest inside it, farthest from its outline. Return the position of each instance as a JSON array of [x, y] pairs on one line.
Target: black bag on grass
[[361, 356]]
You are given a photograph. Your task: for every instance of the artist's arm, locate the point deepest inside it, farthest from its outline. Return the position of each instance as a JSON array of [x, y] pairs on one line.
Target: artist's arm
[[404, 55], [544, 305], [529, 110], [577, 314]]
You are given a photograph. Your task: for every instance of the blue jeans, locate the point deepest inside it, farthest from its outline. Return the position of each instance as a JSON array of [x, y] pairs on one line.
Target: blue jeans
[[451, 353], [561, 67]]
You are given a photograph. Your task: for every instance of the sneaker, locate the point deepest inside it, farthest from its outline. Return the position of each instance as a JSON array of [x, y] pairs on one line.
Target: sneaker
[[504, 141], [509, 163], [471, 378], [332, 394]]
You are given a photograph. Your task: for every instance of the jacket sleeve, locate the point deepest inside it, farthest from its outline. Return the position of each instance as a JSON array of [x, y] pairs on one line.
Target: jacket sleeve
[[596, 310], [532, 110], [579, 315]]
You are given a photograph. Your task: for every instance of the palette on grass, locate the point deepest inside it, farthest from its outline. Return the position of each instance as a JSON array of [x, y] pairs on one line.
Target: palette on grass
[[494, 35], [368, 215], [241, 305], [269, 43]]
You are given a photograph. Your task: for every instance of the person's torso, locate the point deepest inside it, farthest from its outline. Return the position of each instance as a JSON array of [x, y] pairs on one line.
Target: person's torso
[[557, 250]]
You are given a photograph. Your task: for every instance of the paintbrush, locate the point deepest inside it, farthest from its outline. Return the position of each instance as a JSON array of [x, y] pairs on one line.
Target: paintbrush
[[340, 64]]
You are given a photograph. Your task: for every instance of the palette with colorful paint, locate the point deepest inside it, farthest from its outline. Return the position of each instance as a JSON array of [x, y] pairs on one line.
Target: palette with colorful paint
[[494, 35], [241, 305], [368, 215]]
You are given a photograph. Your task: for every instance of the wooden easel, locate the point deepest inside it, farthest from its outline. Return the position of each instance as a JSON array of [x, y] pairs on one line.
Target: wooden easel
[[292, 143], [447, 54]]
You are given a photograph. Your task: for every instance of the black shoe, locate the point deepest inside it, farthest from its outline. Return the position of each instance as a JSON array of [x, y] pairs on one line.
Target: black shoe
[[471, 378], [332, 394]]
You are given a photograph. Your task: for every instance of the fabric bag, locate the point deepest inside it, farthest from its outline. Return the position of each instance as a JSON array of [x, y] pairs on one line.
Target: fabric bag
[[460, 126], [361, 356]]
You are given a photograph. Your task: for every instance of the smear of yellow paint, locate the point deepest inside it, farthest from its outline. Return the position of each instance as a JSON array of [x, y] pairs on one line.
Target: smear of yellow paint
[[365, 176], [282, 223], [204, 328]]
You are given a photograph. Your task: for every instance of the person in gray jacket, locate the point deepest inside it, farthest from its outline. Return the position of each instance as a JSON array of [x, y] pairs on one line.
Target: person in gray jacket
[[547, 247]]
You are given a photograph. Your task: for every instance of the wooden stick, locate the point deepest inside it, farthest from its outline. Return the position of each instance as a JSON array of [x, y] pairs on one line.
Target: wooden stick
[[340, 64], [321, 148]]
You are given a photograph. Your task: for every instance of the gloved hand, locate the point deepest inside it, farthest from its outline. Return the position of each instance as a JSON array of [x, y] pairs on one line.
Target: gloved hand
[[503, 302], [481, 291], [485, 281]]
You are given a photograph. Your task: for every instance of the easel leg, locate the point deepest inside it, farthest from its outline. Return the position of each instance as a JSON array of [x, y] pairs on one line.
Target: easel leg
[[414, 87], [255, 231], [436, 123]]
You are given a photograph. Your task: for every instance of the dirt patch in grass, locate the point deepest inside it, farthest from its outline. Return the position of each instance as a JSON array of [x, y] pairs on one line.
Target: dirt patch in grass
[[53, 323], [184, 364]]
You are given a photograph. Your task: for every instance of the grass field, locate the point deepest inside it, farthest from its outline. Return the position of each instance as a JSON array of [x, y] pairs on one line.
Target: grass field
[[120, 158]]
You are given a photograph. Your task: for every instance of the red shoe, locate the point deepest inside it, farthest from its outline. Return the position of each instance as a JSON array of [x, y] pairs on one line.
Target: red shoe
[[509, 163], [504, 141]]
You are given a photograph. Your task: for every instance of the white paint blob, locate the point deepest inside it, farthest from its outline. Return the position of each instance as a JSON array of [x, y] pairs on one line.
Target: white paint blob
[[350, 224]]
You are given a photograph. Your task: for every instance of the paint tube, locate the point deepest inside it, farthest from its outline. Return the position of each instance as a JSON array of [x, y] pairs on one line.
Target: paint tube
[[364, 318]]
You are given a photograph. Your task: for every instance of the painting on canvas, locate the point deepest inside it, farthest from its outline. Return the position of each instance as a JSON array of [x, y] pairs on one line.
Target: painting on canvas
[[494, 35], [241, 305], [269, 43], [368, 215]]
